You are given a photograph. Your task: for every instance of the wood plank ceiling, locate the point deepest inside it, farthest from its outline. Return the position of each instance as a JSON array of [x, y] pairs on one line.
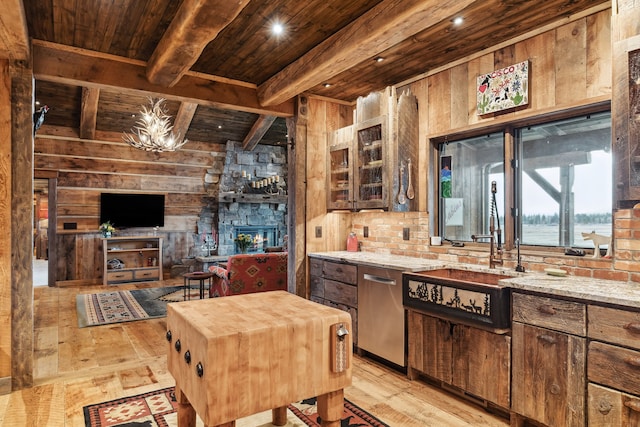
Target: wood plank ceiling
[[223, 72]]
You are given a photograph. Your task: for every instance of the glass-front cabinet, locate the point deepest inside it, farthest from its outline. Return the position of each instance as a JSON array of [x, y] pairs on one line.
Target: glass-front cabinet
[[340, 170], [371, 180]]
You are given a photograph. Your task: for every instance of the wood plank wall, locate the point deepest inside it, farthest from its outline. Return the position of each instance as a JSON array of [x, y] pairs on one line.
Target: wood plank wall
[[5, 224], [86, 168], [570, 66]]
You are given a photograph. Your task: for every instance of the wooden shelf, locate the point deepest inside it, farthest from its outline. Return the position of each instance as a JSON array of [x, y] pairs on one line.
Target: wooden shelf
[[135, 253], [252, 198]]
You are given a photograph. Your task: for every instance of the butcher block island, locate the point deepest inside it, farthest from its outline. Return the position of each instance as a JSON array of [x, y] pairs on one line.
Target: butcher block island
[[240, 355]]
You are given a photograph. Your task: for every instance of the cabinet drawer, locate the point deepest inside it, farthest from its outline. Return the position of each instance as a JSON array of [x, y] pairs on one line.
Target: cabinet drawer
[[614, 325], [341, 272], [118, 276], [316, 283], [611, 408], [613, 366], [563, 316], [315, 267], [341, 293], [146, 274]]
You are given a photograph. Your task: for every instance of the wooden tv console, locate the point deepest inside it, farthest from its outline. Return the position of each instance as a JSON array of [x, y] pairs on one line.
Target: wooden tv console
[[140, 256]]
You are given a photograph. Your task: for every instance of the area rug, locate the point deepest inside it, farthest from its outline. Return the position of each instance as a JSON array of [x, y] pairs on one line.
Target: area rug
[[158, 409], [125, 306]]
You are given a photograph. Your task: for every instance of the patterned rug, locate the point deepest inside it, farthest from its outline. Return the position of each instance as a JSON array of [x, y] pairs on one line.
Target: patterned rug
[[158, 409], [124, 306]]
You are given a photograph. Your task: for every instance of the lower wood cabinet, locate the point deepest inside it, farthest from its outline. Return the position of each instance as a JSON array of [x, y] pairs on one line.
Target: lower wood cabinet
[[549, 363], [335, 284], [613, 367], [474, 360]]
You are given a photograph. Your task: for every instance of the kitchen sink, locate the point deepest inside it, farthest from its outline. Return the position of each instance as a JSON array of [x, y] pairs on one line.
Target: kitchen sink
[[474, 297]]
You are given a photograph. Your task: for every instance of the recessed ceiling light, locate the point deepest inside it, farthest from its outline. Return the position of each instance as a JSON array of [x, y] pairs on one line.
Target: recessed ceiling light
[[459, 20], [219, 126], [277, 29], [378, 59], [327, 85]]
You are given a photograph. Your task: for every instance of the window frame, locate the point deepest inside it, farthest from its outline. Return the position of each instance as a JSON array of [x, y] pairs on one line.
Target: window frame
[[508, 128]]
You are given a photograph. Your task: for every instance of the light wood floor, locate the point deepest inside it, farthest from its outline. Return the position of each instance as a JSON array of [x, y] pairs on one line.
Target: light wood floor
[[76, 367]]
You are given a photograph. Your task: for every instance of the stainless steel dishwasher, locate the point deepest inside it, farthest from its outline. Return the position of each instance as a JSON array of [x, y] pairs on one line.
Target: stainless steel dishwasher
[[381, 314]]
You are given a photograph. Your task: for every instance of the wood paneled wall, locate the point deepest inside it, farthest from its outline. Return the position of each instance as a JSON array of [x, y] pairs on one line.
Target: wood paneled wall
[[87, 168], [570, 67], [5, 224]]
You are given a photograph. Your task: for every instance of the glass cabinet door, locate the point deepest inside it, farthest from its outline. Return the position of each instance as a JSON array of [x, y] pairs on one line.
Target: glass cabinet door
[[340, 180], [371, 176]]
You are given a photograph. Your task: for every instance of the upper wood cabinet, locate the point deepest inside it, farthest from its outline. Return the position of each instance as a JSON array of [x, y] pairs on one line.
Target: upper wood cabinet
[[340, 169], [371, 180], [372, 164]]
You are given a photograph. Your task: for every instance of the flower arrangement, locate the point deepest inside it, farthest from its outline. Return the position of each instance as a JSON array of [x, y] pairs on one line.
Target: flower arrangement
[[244, 241], [106, 228]]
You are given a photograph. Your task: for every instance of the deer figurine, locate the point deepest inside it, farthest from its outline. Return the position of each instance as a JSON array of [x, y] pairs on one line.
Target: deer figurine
[[598, 239]]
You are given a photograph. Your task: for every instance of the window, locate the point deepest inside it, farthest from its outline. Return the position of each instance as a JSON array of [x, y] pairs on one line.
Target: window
[[560, 180]]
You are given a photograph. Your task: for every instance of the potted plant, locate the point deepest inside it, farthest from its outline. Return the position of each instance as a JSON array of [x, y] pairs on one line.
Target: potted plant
[[244, 241], [106, 228]]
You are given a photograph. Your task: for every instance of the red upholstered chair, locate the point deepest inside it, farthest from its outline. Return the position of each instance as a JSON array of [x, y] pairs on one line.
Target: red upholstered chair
[[248, 273]]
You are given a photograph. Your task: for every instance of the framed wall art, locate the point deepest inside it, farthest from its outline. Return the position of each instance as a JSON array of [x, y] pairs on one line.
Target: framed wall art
[[503, 89]]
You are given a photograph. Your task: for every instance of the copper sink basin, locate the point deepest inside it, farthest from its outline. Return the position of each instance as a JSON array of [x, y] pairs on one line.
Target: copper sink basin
[[479, 278], [474, 297]]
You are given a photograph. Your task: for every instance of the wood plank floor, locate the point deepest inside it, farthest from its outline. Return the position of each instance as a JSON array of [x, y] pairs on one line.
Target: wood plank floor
[[76, 367]]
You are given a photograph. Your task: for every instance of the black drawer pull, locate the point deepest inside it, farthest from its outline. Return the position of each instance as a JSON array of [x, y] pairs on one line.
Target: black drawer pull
[[187, 357], [169, 336], [178, 346], [199, 369]]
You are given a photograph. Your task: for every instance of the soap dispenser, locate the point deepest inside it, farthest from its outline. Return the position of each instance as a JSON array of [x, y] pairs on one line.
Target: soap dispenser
[[352, 242]]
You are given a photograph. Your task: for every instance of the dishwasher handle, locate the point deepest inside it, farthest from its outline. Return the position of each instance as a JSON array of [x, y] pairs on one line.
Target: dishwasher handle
[[378, 279]]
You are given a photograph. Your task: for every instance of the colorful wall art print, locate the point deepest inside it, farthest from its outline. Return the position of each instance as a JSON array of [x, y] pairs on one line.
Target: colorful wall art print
[[502, 89], [445, 177]]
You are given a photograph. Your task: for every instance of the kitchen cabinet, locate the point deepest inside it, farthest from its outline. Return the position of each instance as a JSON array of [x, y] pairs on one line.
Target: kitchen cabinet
[[340, 170], [475, 360], [334, 284], [131, 259], [613, 361], [549, 360], [372, 164]]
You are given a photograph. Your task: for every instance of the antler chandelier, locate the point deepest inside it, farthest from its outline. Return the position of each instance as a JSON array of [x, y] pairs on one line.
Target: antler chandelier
[[153, 132]]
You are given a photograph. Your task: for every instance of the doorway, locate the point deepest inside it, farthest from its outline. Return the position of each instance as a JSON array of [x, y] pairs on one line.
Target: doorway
[[40, 232]]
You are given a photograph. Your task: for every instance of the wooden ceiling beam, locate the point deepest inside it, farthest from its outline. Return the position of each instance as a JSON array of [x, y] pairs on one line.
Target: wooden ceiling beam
[[259, 128], [196, 23], [89, 112], [385, 25], [183, 118], [14, 34], [80, 67]]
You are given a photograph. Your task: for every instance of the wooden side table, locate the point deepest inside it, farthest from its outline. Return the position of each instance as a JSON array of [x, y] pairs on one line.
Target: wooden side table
[[200, 276]]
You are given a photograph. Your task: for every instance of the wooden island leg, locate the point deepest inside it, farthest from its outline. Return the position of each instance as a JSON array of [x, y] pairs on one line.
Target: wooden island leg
[[331, 407], [279, 416], [186, 413]]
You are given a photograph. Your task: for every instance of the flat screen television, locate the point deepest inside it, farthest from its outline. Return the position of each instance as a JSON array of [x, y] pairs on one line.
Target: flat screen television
[[132, 210]]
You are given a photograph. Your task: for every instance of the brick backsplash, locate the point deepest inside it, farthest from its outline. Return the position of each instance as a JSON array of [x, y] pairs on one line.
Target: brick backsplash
[[386, 236]]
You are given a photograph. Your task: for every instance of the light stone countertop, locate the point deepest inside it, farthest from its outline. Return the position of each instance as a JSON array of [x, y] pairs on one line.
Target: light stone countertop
[[626, 294]]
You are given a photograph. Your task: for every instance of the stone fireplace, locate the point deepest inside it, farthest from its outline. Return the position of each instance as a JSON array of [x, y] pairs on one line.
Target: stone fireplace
[[263, 237], [243, 206]]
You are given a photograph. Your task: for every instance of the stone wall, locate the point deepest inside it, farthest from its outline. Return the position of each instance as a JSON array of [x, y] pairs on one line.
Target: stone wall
[[241, 168]]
